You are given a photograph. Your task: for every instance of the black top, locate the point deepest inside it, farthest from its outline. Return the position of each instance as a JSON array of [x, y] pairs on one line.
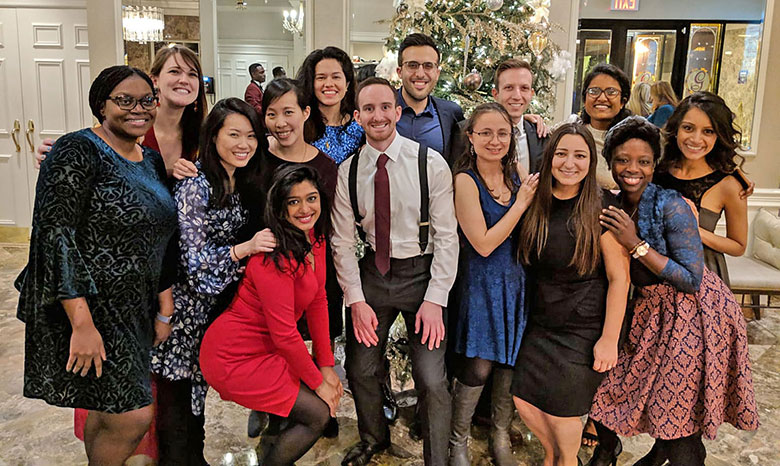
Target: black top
[[559, 289], [693, 189], [324, 165]]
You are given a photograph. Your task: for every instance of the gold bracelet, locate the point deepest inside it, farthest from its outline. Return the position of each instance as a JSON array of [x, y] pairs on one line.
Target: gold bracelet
[[633, 250]]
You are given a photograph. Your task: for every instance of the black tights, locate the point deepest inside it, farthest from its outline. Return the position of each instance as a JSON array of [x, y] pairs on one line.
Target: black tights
[[686, 451], [475, 371], [307, 421]]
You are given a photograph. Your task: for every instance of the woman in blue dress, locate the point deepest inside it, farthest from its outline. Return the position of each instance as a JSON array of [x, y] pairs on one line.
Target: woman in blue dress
[[489, 201], [211, 216], [101, 223]]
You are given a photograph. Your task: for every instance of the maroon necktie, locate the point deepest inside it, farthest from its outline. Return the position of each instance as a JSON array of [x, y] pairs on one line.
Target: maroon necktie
[[382, 215]]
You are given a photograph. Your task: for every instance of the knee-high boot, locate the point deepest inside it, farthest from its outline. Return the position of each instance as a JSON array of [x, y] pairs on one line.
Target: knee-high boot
[[502, 411], [464, 400]]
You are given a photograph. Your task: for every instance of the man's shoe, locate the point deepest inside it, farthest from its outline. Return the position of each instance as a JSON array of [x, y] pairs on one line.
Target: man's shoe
[[361, 453], [389, 405]]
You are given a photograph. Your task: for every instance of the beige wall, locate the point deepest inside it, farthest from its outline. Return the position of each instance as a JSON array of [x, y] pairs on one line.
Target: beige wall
[[331, 24], [104, 19], [764, 168]]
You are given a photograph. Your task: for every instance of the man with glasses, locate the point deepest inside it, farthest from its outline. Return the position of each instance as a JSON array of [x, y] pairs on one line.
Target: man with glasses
[[425, 118]]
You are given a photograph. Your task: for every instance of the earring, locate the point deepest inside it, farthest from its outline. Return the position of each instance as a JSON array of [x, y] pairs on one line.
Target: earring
[[473, 153]]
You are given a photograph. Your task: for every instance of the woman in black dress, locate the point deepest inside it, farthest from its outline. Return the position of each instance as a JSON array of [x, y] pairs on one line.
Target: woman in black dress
[[101, 223], [578, 284]]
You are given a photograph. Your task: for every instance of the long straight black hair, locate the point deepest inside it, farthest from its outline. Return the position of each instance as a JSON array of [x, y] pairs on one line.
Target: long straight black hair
[[291, 242], [210, 161]]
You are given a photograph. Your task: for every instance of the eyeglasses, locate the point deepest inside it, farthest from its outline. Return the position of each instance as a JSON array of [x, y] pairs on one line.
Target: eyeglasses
[[486, 136], [126, 102], [595, 92], [414, 66]]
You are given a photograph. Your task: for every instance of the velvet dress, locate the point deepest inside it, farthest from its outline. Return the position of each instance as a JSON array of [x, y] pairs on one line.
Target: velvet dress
[[253, 353], [100, 229], [492, 313]]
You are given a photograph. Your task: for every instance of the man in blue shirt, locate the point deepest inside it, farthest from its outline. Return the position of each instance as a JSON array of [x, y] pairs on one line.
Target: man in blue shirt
[[425, 118]]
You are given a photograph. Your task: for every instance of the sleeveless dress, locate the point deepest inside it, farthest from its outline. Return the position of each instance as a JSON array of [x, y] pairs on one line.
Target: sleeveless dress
[[694, 190], [684, 367], [554, 368], [492, 314]]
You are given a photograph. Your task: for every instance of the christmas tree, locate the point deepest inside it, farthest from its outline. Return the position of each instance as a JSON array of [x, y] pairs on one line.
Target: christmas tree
[[475, 35]]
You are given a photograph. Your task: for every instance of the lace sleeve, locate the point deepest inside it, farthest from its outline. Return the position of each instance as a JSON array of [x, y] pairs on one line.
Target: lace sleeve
[[208, 266], [684, 248]]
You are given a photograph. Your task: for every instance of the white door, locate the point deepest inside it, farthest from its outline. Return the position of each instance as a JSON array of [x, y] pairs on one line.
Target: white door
[[233, 67], [53, 67], [14, 156]]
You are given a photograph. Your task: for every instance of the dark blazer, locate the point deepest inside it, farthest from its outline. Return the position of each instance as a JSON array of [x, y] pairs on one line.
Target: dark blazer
[[450, 114], [536, 144]]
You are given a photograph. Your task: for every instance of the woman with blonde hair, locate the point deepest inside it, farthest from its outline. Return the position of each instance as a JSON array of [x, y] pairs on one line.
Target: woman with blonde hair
[[664, 102], [639, 103]]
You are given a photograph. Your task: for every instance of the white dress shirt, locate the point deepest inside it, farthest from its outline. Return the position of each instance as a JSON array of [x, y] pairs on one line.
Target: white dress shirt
[[402, 170], [521, 142]]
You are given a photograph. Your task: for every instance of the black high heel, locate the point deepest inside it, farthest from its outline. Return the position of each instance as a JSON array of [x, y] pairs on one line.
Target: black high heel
[[601, 457]]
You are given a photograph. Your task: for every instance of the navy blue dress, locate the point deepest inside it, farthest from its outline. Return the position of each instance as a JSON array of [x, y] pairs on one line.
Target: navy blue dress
[[492, 315]]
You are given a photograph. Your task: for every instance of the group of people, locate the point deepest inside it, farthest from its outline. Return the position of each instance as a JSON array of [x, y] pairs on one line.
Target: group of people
[[340, 194]]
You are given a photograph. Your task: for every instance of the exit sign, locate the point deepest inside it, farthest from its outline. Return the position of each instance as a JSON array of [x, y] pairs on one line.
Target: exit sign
[[625, 5]]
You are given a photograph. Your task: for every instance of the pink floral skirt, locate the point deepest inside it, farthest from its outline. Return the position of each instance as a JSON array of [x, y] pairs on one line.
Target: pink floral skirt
[[684, 368]]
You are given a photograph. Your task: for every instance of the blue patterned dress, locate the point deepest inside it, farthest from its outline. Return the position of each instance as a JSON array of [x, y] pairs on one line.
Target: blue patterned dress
[[339, 142], [206, 269], [100, 228], [492, 314]]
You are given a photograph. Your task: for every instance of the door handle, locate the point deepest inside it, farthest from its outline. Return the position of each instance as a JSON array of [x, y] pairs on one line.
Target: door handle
[[17, 128], [30, 133]]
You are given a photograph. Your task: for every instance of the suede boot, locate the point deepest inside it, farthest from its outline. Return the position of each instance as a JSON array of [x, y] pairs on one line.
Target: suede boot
[[464, 400]]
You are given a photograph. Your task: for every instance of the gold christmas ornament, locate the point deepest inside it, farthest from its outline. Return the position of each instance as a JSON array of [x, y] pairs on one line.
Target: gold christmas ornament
[[473, 80], [537, 42]]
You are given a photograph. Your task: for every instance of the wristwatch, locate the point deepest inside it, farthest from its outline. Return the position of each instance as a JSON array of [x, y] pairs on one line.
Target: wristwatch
[[163, 319], [640, 250]]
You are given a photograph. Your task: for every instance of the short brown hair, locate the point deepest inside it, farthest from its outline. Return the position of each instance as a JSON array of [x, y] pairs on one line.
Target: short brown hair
[[511, 64], [370, 82]]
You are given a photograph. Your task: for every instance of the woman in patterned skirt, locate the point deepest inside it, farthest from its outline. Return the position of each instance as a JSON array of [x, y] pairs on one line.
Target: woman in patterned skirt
[[103, 217], [684, 369]]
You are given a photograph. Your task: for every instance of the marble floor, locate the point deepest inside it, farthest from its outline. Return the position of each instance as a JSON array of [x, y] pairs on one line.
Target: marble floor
[[33, 433]]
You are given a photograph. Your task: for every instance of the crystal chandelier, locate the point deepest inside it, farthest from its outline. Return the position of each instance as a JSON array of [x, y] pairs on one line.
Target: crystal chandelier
[[293, 20], [142, 23]]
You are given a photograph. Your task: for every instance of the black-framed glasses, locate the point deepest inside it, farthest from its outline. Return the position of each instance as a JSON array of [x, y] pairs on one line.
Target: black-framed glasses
[[128, 102], [595, 92], [414, 66]]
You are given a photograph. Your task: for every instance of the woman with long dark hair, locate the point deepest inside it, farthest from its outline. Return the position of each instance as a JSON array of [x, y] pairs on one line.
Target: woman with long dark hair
[[684, 369], [578, 275], [605, 92], [701, 162], [489, 201], [253, 354], [103, 217], [211, 215], [327, 76]]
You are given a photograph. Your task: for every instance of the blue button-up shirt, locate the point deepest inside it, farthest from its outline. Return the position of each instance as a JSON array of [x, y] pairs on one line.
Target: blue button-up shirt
[[423, 127]]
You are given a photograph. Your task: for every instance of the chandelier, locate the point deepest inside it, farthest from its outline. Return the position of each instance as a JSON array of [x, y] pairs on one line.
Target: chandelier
[[293, 20], [240, 4], [142, 23]]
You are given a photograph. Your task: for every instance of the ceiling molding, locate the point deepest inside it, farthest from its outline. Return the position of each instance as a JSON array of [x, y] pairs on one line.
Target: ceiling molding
[[67, 4]]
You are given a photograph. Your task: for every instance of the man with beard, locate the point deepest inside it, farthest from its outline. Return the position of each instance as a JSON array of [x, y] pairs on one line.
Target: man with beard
[[397, 196], [425, 118]]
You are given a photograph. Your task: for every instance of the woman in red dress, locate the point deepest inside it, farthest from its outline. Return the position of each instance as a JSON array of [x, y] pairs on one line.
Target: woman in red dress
[[253, 353]]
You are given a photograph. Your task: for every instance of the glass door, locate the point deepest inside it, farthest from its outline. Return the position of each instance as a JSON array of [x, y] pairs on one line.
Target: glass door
[[650, 55], [593, 47], [701, 69]]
